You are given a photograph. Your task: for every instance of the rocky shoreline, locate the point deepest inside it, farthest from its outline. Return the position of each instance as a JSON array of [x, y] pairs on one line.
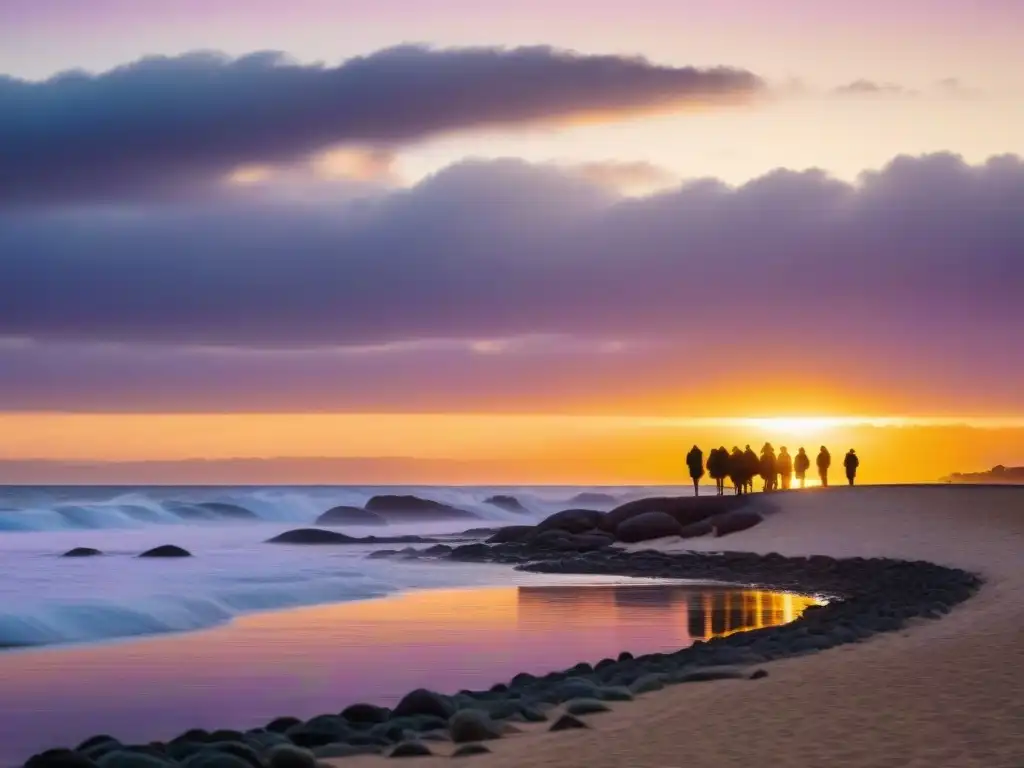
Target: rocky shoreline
[[866, 597]]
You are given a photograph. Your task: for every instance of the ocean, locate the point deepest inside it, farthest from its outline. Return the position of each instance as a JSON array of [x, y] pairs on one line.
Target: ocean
[[245, 631], [46, 599]]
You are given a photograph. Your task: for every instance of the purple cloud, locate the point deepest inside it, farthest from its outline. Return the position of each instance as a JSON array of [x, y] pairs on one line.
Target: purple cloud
[[495, 281], [164, 125]]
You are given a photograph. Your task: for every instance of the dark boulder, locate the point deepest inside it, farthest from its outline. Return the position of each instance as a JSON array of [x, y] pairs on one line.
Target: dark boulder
[[263, 740], [438, 550], [290, 757], [82, 552], [313, 536], [350, 516], [320, 536], [193, 734], [410, 749], [561, 541], [695, 530], [650, 525], [282, 724], [473, 725], [567, 722], [733, 522], [59, 758], [508, 503], [479, 532], [685, 509], [471, 552], [585, 707], [572, 520], [215, 758], [167, 550], [424, 702], [365, 713], [130, 758], [410, 508], [513, 533]]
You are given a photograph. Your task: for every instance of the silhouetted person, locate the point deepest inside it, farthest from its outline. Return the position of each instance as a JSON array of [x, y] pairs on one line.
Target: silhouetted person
[[784, 467], [850, 463], [737, 470], [801, 464], [824, 461], [718, 467], [766, 467], [751, 467], [695, 463]]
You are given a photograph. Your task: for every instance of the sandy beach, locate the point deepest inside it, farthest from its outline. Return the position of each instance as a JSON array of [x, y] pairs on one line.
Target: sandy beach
[[939, 693]]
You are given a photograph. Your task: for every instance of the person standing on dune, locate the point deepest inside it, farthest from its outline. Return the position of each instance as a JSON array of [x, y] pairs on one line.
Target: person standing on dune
[[718, 467], [800, 466], [695, 463], [737, 470], [850, 463], [824, 461], [766, 467], [751, 468], [784, 467]]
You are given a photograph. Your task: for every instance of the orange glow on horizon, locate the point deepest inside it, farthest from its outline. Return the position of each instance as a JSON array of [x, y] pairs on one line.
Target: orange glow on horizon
[[510, 448]]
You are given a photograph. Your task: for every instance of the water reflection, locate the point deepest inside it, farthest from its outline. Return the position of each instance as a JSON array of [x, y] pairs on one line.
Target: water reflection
[[706, 611], [312, 660]]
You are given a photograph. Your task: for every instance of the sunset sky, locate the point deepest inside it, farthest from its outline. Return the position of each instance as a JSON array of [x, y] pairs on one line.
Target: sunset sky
[[553, 238]]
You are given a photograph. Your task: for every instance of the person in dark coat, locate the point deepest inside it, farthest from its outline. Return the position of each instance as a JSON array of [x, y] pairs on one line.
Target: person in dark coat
[[801, 464], [751, 467], [695, 463], [766, 467], [737, 470], [718, 467], [784, 467], [824, 461], [850, 463]]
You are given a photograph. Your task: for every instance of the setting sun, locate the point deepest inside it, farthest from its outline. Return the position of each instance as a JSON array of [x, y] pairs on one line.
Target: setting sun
[[797, 426]]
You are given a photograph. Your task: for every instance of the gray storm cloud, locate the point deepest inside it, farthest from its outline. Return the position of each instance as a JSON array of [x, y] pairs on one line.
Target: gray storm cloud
[[166, 126]]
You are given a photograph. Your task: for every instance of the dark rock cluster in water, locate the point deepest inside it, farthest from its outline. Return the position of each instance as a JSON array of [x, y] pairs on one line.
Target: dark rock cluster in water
[[385, 509], [508, 503], [320, 536], [584, 530], [345, 515], [82, 552], [868, 596], [166, 550]]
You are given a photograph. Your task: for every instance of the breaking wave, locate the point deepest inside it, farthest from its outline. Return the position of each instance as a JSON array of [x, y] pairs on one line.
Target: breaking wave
[[83, 508]]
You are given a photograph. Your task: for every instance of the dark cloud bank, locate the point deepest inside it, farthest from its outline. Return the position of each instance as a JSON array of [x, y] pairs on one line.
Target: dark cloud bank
[[166, 125], [911, 278]]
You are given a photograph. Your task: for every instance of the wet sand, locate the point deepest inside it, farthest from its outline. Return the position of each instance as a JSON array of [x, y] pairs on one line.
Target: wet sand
[[940, 693]]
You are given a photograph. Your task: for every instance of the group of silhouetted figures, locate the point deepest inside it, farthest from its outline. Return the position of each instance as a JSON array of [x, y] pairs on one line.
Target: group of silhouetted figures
[[741, 467]]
